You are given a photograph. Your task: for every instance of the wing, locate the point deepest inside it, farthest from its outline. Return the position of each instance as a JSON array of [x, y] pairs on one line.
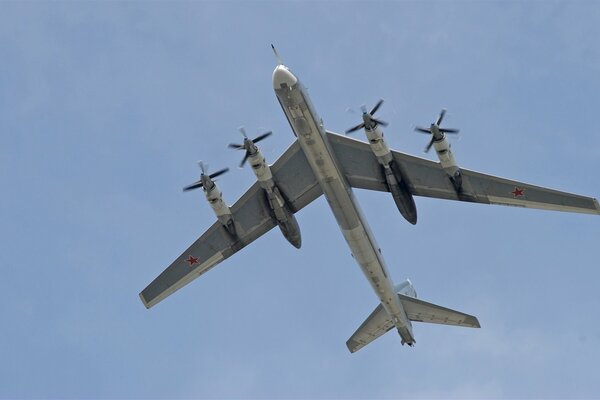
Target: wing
[[428, 178], [252, 217]]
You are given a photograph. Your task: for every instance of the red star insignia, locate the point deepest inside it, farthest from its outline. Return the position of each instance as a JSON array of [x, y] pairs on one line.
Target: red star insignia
[[518, 192], [192, 260]]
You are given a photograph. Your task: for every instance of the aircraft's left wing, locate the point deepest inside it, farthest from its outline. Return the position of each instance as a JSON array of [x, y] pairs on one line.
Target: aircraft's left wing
[[252, 217], [428, 178]]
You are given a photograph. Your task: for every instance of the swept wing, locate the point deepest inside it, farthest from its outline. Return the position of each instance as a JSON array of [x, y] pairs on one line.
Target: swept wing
[[252, 216], [428, 178]]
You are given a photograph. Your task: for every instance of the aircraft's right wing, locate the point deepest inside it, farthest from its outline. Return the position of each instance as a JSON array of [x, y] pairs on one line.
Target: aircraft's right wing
[[428, 178], [252, 217]]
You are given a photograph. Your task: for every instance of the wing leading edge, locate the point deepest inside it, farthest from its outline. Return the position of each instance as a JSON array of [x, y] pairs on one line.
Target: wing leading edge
[[428, 178], [252, 216]]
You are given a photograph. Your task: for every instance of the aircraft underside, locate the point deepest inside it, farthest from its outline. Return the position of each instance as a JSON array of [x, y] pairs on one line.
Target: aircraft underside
[[321, 162]]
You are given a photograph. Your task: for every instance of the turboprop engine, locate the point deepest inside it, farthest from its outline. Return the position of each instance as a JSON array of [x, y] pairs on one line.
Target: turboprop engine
[[281, 212], [392, 172], [214, 196], [442, 148]]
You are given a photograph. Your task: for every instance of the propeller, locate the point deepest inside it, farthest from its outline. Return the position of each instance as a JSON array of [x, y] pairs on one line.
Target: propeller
[[435, 131], [369, 121], [248, 144], [200, 183]]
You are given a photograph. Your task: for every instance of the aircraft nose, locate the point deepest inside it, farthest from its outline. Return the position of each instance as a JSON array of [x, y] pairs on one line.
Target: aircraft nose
[[282, 75]]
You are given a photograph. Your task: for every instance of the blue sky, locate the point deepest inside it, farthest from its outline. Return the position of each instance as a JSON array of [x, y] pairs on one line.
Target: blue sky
[[106, 106]]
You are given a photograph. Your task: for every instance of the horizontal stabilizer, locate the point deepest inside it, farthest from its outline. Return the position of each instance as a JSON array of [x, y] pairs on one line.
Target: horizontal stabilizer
[[417, 310], [374, 326], [421, 311]]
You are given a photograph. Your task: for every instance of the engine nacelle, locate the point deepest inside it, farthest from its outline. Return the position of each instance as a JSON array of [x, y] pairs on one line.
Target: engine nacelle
[[444, 153], [260, 167], [221, 210], [285, 218], [442, 148], [378, 145], [446, 157], [400, 193]]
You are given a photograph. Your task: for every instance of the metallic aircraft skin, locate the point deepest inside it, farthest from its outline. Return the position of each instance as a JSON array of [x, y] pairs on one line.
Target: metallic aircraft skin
[[322, 162], [311, 134]]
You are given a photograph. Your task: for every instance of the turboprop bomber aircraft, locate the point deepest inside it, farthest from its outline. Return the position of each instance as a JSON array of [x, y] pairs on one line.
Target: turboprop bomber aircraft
[[320, 162]]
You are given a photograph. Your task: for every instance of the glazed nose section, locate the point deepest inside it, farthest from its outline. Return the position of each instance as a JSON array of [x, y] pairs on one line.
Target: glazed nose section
[[282, 76]]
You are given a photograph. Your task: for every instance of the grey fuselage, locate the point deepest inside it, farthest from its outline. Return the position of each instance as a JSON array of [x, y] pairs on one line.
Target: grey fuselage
[[309, 130]]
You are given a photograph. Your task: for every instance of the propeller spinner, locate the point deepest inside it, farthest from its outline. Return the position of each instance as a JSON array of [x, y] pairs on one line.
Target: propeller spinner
[[248, 145], [435, 131], [369, 122], [204, 179]]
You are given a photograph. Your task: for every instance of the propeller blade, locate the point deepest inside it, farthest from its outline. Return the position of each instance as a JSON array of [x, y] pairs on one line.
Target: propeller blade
[[235, 146], [374, 110], [243, 132], [446, 130], [429, 145], [244, 159], [379, 122], [193, 186], [355, 128], [441, 117], [422, 130], [261, 137], [218, 173]]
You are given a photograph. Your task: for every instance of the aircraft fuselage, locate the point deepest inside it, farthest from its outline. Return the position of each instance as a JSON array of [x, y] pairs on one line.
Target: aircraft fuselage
[[309, 130]]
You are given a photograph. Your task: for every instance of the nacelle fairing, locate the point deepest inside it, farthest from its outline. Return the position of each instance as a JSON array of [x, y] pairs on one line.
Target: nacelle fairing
[[280, 210], [220, 208], [285, 218], [443, 149], [260, 167], [393, 174], [214, 197]]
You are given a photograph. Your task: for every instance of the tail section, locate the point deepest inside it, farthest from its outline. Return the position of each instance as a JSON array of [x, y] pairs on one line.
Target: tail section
[[379, 322]]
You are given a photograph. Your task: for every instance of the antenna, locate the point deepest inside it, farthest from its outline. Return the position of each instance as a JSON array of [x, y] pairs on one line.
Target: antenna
[[279, 62]]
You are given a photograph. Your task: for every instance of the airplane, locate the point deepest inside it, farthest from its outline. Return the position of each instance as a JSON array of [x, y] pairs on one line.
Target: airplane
[[321, 162]]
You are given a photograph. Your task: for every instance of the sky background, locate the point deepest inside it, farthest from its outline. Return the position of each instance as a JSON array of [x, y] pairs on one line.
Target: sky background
[[105, 107]]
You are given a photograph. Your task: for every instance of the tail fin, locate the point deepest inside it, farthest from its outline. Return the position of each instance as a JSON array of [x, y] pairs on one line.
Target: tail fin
[[379, 321]]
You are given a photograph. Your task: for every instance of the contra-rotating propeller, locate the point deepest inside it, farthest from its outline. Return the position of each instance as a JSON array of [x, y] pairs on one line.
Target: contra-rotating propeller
[[204, 178], [435, 131], [369, 121], [248, 144]]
